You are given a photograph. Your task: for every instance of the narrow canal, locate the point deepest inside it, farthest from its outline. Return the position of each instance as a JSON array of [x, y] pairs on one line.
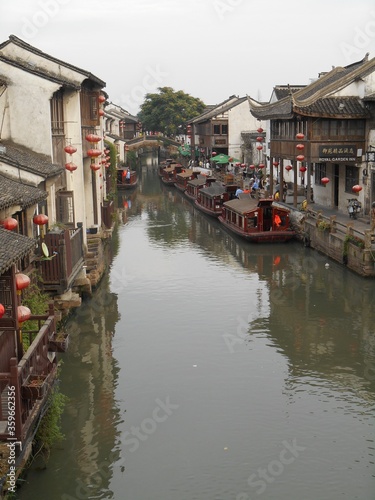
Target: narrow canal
[[207, 368]]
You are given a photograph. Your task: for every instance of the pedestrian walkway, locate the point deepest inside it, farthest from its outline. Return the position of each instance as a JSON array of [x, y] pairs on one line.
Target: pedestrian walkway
[[360, 224]]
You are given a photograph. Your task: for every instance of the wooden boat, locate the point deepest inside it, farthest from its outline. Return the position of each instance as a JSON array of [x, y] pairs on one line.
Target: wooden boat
[[166, 163], [170, 172], [126, 180], [183, 177], [258, 221], [195, 185], [210, 199]]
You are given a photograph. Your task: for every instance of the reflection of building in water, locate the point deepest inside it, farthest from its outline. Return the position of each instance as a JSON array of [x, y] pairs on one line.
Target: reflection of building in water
[[91, 407]]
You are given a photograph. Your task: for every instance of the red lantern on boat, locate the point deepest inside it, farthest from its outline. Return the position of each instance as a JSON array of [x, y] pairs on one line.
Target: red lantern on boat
[[22, 281], [259, 130], [300, 158], [259, 147], [2, 310], [302, 169], [70, 149], [288, 168], [94, 153], [10, 223], [40, 219], [324, 180], [93, 138], [301, 147], [71, 166], [23, 314], [356, 188], [300, 136]]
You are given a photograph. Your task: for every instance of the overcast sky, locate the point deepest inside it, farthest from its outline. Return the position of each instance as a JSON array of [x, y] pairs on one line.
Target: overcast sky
[[210, 49]]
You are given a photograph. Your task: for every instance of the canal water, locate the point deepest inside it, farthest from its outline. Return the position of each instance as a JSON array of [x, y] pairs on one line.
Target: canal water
[[207, 368]]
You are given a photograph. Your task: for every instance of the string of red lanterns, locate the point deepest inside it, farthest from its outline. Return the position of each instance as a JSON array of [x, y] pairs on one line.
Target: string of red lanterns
[[70, 166]]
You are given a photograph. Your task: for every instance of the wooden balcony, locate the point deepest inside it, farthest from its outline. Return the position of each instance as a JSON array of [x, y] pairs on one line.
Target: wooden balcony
[[65, 260], [27, 384]]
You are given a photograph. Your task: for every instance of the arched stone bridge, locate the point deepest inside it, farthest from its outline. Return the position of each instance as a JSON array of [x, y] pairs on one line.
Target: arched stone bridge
[[152, 141]]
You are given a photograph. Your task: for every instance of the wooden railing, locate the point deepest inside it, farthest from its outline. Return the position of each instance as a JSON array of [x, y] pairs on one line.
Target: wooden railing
[[19, 407], [65, 259]]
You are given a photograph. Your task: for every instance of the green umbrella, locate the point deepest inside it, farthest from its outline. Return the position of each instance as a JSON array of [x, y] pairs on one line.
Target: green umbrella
[[222, 158]]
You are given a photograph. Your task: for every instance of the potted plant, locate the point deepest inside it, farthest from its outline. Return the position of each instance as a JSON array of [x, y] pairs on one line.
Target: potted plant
[[58, 342], [34, 387]]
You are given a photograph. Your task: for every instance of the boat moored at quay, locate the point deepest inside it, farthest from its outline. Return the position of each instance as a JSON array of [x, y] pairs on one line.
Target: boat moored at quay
[[210, 199], [258, 221], [126, 178]]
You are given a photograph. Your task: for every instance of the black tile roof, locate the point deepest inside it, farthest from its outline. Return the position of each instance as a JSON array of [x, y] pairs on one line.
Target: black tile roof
[[13, 247], [28, 160], [16, 193], [335, 106]]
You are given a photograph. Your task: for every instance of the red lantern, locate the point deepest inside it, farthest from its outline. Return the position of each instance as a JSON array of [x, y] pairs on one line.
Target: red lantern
[[22, 281], [300, 158], [324, 180], [70, 149], [260, 147], [23, 313], [10, 223], [230, 159], [302, 169], [261, 165], [300, 146], [101, 112], [2, 310], [260, 139], [243, 165], [300, 136], [93, 138], [252, 167], [275, 163], [101, 98], [356, 188], [259, 130], [288, 168], [94, 167], [94, 153], [214, 153], [40, 219], [71, 166]]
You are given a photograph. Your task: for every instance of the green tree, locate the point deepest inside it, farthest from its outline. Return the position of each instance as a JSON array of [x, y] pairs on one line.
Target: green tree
[[168, 111]]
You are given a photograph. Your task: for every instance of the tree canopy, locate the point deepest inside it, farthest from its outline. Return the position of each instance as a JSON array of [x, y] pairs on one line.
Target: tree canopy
[[169, 110]]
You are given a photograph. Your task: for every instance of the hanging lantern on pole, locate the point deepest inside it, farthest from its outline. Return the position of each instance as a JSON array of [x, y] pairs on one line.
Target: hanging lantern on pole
[[101, 99], [300, 147], [302, 169], [324, 181], [22, 282], [259, 147], [93, 138], [70, 149], [94, 153], [288, 168], [23, 314], [40, 219], [300, 158], [300, 136], [260, 138], [356, 188], [10, 223]]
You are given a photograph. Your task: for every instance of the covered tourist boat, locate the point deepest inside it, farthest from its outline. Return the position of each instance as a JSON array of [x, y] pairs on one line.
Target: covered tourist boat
[[183, 177], [169, 162], [126, 178], [258, 221], [195, 185], [169, 173], [210, 199]]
